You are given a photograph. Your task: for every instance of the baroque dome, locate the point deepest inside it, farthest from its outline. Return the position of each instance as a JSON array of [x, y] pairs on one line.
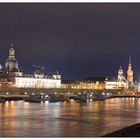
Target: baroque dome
[[11, 63]]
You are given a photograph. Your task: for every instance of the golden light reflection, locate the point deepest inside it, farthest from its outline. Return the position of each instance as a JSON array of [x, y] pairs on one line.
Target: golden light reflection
[[47, 102], [10, 104], [9, 114]]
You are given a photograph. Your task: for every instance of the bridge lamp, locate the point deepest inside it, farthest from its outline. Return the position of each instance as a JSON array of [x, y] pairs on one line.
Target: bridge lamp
[[103, 93]]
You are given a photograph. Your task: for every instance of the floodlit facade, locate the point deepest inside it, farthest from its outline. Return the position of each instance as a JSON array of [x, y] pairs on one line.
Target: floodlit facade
[[84, 85], [111, 85], [32, 82], [116, 85]]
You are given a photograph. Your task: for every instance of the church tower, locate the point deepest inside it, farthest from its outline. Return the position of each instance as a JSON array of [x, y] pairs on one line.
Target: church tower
[[130, 73], [121, 77]]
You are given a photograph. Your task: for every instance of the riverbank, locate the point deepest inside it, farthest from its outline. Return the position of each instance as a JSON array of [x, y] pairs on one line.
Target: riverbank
[[74, 97], [130, 131]]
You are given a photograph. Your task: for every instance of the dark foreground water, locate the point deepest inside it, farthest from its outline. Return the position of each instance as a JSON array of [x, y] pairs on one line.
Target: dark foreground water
[[92, 119]]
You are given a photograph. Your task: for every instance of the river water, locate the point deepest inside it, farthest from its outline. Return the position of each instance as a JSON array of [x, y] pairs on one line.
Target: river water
[[92, 119]]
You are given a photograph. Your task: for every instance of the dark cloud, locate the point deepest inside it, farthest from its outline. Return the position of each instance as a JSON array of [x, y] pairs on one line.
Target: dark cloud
[[78, 39]]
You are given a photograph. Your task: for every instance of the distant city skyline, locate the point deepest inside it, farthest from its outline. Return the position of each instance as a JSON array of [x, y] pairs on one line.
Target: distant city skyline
[[78, 40]]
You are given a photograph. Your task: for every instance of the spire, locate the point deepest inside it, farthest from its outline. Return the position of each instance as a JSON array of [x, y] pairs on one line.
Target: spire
[[130, 60], [12, 44], [130, 72]]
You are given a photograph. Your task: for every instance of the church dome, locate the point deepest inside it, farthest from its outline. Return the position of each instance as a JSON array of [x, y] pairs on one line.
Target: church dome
[[11, 63], [120, 70]]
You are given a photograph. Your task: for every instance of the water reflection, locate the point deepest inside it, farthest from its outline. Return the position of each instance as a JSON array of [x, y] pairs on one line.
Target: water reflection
[[23, 119]]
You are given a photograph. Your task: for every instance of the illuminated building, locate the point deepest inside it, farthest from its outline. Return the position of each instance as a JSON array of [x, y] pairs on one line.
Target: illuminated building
[[121, 82], [11, 68], [11, 64], [120, 75], [84, 85], [111, 85], [92, 85], [130, 73], [31, 81], [11, 75]]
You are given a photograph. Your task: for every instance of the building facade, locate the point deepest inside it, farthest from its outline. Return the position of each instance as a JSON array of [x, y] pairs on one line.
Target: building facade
[[33, 82], [120, 83], [84, 85]]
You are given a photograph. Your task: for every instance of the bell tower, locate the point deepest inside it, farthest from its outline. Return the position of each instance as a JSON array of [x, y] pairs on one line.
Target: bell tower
[[130, 72]]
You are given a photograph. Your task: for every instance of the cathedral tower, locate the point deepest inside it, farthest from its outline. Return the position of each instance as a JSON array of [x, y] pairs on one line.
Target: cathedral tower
[[130, 72]]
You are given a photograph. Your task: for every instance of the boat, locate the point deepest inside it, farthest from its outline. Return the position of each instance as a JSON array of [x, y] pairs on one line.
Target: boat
[[2, 99], [82, 98], [36, 99], [59, 98]]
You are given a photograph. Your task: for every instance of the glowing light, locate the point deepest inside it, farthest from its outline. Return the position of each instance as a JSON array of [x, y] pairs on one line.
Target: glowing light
[[108, 94], [103, 93], [46, 102]]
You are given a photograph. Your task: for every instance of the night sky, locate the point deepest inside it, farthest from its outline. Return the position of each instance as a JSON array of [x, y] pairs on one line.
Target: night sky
[[78, 40]]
